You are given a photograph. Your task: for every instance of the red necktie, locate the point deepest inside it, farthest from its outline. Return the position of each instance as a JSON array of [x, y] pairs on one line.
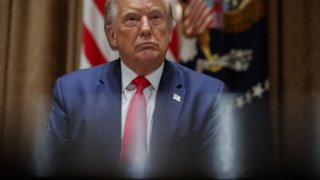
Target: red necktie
[[134, 151]]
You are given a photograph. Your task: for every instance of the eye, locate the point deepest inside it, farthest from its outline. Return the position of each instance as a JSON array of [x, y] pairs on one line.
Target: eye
[[156, 18], [131, 20]]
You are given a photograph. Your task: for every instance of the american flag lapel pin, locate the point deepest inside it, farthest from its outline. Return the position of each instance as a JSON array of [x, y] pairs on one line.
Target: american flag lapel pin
[[176, 97]]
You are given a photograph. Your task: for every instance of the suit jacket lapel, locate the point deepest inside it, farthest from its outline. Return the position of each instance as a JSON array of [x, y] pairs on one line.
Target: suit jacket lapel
[[107, 100], [169, 102]]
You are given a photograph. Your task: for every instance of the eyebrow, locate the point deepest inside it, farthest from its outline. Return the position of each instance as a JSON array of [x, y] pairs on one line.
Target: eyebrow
[[133, 10], [156, 10]]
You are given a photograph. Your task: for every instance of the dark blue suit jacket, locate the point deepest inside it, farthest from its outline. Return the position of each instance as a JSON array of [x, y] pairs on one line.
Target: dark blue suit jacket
[[84, 134]]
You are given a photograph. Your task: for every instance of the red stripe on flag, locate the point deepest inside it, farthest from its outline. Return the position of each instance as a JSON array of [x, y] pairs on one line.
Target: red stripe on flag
[[197, 15], [91, 49], [100, 5], [218, 21], [174, 45]]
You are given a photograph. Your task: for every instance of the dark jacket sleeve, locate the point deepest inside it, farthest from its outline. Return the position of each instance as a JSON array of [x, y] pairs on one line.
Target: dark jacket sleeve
[[211, 136], [56, 145]]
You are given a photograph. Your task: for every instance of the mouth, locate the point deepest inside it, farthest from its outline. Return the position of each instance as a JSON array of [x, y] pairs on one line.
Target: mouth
[[147, 45]]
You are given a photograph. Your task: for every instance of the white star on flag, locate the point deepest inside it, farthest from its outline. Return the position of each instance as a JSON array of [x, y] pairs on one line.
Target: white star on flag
[[257, 90], [240, 102]]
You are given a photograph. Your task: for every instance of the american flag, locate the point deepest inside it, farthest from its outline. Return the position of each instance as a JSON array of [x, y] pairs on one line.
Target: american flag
[[95, 49], [199, 16]]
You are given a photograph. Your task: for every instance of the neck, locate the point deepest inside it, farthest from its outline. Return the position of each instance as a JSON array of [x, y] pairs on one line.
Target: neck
[[143, 68]]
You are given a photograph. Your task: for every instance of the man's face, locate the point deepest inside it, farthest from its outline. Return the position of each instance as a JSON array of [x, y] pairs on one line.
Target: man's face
[[141, 33]]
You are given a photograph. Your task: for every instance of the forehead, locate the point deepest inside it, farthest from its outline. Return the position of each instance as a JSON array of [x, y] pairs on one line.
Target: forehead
[[141, 5]]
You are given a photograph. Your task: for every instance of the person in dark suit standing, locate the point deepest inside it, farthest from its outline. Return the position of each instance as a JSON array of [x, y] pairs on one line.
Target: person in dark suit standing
[[138, 116]]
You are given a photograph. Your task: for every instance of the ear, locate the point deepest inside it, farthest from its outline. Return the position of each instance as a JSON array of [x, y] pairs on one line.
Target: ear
[[111, 36], [170, 33]]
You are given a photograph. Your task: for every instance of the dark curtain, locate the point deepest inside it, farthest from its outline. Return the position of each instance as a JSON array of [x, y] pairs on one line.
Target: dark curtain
[[294, 43], [39, 42]]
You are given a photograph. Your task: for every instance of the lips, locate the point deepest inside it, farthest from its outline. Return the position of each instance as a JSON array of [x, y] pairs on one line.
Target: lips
[[147, 45]]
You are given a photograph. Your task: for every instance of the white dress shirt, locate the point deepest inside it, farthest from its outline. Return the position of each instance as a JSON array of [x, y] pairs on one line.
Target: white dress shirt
[[150, 93]]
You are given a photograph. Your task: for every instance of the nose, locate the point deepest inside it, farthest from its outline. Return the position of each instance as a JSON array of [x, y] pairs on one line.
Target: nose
[[145, 30]]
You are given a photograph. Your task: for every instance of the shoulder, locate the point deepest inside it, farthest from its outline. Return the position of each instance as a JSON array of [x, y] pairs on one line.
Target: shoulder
[[83, 73], [81, 84], [195, 80], [92, 74], [84, 80]]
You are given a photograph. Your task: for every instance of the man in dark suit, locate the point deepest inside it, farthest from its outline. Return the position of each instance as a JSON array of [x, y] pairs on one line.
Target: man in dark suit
[[88, 120]]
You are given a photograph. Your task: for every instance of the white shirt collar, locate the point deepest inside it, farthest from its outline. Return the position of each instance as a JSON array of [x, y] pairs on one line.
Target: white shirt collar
[[128, 75]]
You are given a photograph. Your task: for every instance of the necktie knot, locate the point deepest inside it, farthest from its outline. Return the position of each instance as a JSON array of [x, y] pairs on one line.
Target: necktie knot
[[141, 82]]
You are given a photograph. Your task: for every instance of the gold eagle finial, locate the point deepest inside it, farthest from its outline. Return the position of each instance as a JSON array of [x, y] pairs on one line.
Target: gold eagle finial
[[243, 17]]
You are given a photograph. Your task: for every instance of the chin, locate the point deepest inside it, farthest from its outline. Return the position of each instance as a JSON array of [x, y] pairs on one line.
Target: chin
[[149, 55]]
